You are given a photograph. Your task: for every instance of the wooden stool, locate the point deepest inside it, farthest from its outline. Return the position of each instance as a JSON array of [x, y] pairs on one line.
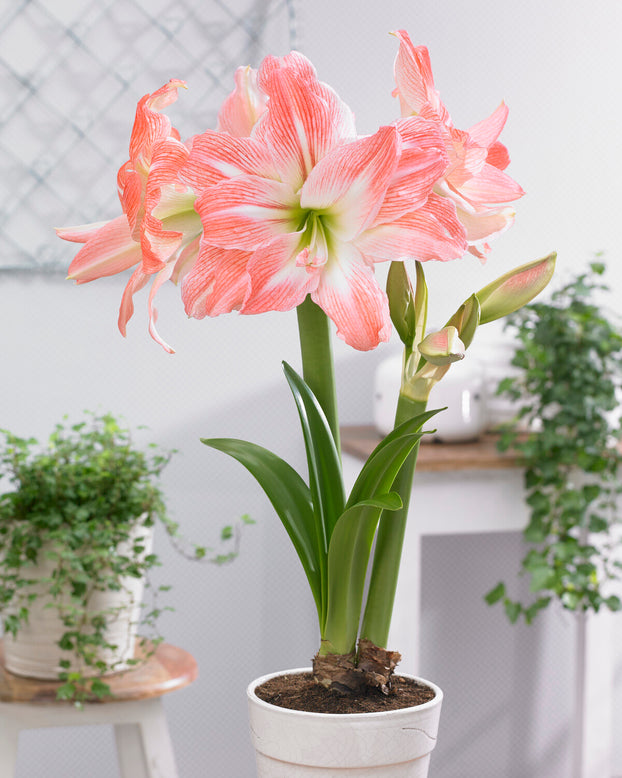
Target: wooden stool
[[143, 742]]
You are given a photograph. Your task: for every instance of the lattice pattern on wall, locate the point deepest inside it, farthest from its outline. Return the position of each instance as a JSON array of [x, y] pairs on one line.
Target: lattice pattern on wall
[[71, 72]]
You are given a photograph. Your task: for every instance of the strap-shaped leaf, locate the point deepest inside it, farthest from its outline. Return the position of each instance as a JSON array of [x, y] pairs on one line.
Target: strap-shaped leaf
[[379, 471], [348, 557], [289, 495], [353, 536], [325, 477]]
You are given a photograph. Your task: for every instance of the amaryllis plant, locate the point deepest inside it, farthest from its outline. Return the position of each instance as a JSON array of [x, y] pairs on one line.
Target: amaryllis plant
[[284, 206]]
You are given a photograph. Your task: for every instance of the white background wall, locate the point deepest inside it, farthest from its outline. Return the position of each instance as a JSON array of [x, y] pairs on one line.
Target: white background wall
[[557, 64]]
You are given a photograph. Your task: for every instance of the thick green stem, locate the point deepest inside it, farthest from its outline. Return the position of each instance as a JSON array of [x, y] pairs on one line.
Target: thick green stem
[[317, 361], [389, 542]]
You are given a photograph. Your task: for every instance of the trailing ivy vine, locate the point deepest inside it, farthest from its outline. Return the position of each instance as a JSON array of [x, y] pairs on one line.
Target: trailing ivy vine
[[84, 501], [568, 391]]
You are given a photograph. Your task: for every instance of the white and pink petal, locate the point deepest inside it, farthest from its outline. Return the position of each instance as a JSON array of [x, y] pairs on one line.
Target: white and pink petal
[[422, 162], [242, 108], [350, 183], [487, 224], [350, 296], [304, 120], [415, 82], [108, 250], [217, 283], [246, 211], [215, 157], [490, 187], [486, 132], [432, 232], [277, 281]]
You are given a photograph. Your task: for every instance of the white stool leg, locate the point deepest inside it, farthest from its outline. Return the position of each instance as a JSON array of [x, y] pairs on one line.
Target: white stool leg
[[9, 735], [144, 749]]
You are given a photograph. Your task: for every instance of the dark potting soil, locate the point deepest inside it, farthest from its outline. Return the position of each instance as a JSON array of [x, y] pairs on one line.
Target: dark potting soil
[[301, 692]]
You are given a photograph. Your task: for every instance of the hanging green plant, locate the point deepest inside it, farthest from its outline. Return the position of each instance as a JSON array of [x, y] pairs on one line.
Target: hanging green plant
[[568, 391], [75, 526]]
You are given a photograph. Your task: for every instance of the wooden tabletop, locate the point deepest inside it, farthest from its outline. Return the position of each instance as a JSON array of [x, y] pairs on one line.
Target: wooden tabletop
[[481, 454], [169, 668]]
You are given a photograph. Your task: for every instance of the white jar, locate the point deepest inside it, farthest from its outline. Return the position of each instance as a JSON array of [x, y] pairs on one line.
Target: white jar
[[461, 391]]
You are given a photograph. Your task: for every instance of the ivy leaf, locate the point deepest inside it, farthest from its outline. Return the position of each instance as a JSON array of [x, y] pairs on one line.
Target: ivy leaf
[[512, 610]]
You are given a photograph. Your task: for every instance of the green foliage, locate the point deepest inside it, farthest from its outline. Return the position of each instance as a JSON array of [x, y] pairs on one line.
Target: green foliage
[[333, 537], [76, 502], [570, 357]]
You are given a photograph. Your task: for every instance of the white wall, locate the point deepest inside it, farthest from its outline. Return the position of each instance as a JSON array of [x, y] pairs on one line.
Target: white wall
[[557, 65]]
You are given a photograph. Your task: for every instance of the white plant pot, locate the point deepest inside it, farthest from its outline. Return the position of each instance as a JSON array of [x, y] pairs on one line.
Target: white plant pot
[[34, 652], [296, 744]]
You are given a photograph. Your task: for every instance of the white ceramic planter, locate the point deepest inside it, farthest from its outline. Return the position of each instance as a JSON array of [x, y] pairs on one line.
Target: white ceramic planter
[[461, 392], [295, 744], [34, 653]]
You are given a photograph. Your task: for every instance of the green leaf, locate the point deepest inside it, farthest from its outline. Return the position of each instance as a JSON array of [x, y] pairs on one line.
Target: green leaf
[[66, 691], [100, 689], [348, 557], [494, 595], [353, 536], [532, 611], [383, 463], [325, 477], [290, 497], [387, 502], [571, 600], [542, 578], [512, 610]]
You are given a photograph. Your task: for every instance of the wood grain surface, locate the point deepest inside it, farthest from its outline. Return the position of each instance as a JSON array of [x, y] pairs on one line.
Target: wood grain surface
[[169, 668]]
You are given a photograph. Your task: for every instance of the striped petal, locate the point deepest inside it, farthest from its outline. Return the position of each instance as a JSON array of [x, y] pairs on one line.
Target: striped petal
[[278, 283], [151, 126], [486, 224], [215, 157], [126, 310], [246, 211], [159, 244], [432, 232], [422, 162], [109, 250], [350, 182], [81, 233], [498, 156], [486, 132], [350, 295], [137, 281], [415, 82], [490, 186], [243, 107], [305, 119], [217, 283], [159, 279]]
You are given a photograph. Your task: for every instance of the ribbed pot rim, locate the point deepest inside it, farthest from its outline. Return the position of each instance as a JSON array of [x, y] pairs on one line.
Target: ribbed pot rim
[[342, 717]]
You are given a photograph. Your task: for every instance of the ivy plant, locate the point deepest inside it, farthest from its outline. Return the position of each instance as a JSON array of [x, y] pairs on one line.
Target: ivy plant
[[568, 440], [77, 501]]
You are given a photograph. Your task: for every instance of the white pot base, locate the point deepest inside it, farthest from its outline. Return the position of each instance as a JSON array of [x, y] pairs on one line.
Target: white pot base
[[296, 744]]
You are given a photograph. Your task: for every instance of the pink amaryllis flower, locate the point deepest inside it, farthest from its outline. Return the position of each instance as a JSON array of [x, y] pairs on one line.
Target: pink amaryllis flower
[[159, 229], [304, 207], [474, 180]]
